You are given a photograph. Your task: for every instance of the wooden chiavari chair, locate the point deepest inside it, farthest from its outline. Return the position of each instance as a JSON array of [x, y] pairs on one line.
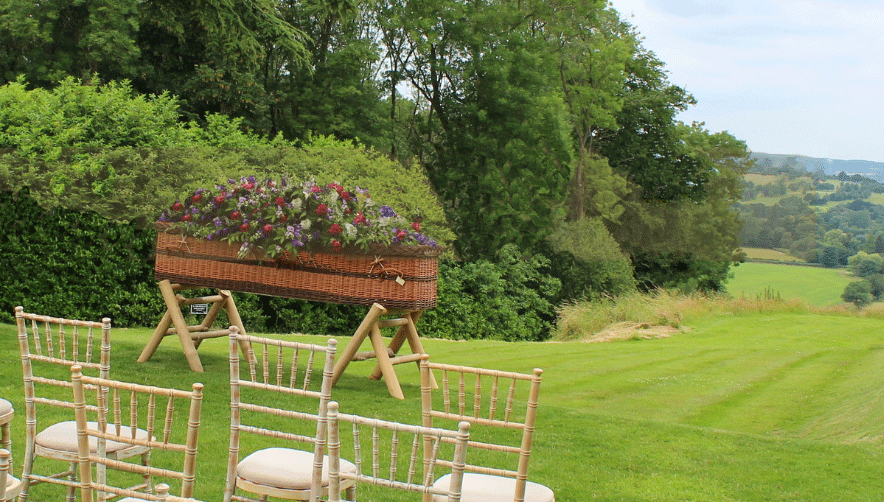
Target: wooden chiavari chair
[[494, 402], [380, 461], [134, 415], [49, 347], [277, 396]]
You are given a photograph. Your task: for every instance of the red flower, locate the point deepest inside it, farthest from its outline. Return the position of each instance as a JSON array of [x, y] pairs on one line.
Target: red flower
[[280, 201], [283, 219], [416, 226], [336, 245], [316, 189], [234, 215], [401, 234], [219, 199], [344, 195], [244, 227], [177, 206], [249, 186], [322, 209], [197, 198], [186, 217], [335, 229], [268, 228], [360, 218]]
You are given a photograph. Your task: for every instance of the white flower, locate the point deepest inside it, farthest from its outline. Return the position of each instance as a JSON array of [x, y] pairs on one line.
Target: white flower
[[350, 229], [305, 225]]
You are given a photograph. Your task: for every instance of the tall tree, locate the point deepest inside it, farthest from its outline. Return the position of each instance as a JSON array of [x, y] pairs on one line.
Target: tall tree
[[496, 127], [594, 47], [646, 146], [47, 41], [692, 242], [209, 53], [341, 95]]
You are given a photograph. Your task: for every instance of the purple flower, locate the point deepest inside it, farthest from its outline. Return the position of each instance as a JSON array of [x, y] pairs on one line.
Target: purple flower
[[387, 211]]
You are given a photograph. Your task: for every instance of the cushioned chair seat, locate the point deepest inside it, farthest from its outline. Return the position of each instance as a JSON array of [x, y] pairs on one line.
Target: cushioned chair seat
[[284, 468], [485, 488], [63, 437], [13, 486], [6, 411]]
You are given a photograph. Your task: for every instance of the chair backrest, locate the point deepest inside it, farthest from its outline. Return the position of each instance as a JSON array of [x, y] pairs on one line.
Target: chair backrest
[[497, 400], [136, 415], [380, 462], [279, 371], [57, 343]]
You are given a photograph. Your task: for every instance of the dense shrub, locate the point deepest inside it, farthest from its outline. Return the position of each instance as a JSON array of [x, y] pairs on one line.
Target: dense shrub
[[863, 264], [509, 299], [858, 293], [127, 157], [588, 261]]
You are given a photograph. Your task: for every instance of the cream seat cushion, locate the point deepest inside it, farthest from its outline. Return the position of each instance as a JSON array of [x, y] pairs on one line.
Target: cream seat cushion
[[13, 485], [63, 437], [486, 488], [284, 468], [6, 411]]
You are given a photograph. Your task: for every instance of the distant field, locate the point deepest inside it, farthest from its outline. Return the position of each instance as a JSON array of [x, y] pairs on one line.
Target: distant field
[[769, 254], [761, 179], [817, 286]]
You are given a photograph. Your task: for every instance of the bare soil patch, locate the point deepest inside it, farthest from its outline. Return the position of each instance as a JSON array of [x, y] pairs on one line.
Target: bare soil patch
[[632, 331]]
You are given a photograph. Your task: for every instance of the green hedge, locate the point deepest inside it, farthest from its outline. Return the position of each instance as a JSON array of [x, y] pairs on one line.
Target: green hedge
[[72, 264]]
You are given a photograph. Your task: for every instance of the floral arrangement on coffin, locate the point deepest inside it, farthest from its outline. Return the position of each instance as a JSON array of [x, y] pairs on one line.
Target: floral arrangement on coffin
[[276, 218]]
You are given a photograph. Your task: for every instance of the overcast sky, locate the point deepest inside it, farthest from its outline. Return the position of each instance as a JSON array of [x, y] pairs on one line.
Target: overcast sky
[[789, 77]]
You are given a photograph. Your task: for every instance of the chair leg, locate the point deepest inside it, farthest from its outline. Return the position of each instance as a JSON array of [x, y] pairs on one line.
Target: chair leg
[[72, 488], [27, 466], [7, 444], [148, 479]]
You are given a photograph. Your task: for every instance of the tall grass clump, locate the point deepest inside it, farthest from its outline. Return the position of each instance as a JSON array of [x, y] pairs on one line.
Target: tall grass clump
[[584, 320]]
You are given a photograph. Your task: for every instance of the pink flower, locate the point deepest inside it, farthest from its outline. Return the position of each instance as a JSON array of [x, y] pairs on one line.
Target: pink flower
[[401, 234], [316, 189], [336, 245], [416, 226], [268, 228], [219, 199], [335, 229], [249, 186]]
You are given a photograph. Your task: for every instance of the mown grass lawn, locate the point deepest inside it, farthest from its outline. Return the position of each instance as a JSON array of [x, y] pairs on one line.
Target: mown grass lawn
[[753, 407], [817, 286]]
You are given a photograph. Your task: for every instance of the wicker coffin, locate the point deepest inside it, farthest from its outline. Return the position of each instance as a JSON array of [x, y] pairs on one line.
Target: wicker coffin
[[397, 277]]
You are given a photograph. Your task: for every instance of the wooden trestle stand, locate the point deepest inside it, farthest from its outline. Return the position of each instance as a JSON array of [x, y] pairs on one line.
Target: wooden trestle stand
[[386, 355], [173, 323]]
